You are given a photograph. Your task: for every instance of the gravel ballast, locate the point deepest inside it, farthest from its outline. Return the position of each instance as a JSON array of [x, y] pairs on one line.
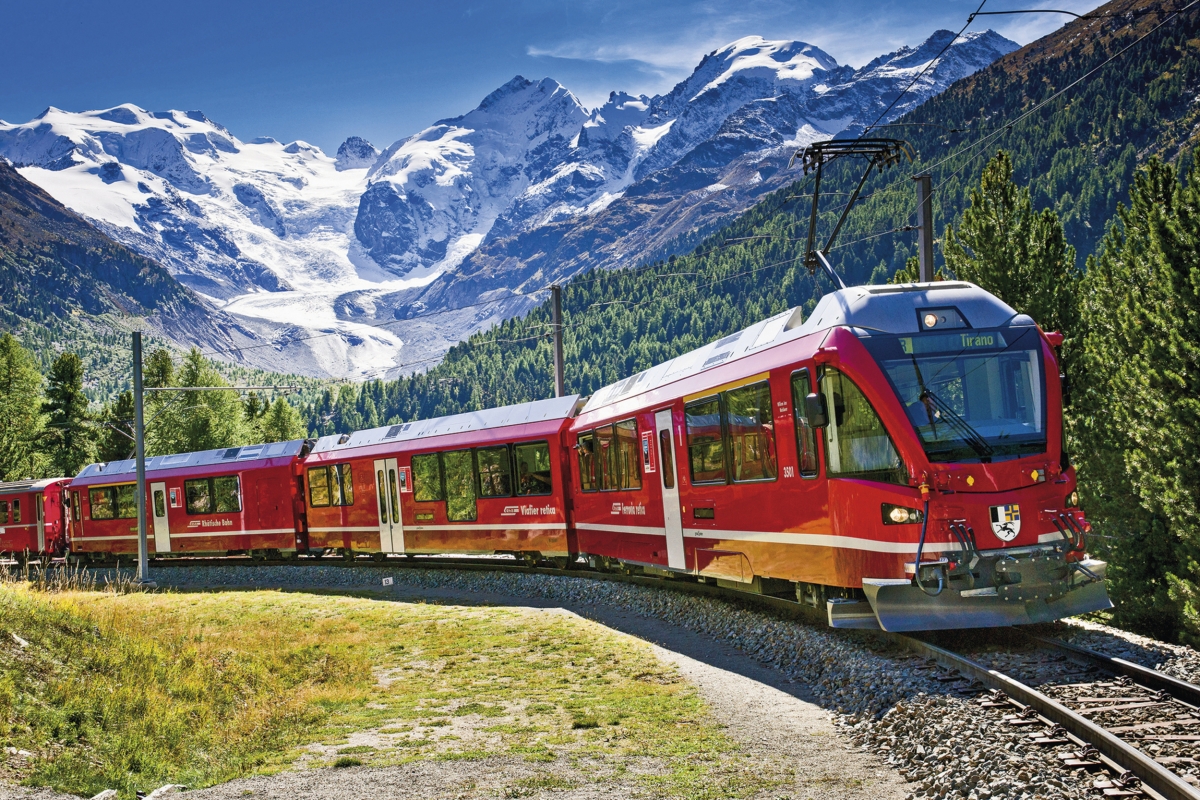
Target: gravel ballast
[[927, 727]]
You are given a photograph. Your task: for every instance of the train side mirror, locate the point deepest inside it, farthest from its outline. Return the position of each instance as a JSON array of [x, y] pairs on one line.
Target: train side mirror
[[816, 411]]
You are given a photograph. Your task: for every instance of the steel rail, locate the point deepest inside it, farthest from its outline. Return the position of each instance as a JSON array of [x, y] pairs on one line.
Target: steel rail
[[1120, 755], [1149, 678]]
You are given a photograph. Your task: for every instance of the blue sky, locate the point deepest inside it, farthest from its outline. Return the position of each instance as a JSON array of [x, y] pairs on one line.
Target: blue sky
[[324, 71]]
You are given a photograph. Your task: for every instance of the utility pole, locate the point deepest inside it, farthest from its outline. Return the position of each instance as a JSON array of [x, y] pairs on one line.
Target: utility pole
[[560, 388], [139, 439], [925, 226]]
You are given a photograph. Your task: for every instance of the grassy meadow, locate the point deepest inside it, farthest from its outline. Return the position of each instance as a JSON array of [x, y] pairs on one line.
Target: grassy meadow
[[103, 689]]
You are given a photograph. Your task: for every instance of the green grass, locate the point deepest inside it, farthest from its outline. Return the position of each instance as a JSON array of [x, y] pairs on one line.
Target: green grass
[[131, 691]]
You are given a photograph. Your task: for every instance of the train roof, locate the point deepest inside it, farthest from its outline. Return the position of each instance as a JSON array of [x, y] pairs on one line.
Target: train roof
[[16, 487], [203, 458], [557, 408], [890, 308]]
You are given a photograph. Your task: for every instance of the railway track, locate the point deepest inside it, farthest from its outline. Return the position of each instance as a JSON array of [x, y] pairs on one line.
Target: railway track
[[1133, 731]]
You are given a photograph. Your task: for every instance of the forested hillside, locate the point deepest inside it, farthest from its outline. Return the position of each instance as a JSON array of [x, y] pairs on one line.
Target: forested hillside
[[62, 281], [1077, 153]]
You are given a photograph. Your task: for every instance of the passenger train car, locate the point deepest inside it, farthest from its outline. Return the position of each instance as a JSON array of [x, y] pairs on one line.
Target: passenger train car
[[895, 458], [233, 500], [896, 425], [491, 481], [32, 517]]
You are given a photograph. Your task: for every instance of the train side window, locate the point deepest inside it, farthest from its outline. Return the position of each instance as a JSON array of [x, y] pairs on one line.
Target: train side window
[[16, 511], [75, 505], [427, 478], [126, 501], [856, 442], [460, 485], [533, 469], [341, 485], [220, 495], [606, 458], [3, 512], [495, 471], [39, 507], [395, 497], [381, 482], [160, 503], [667, 460], [587, 461], [751, 429], [101, 501], [706, 445], [199, 496], [318, 487], [806, 437], [629, 464]]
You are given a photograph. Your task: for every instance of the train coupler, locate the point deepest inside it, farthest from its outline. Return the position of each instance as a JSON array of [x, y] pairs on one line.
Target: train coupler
[[996, 589]]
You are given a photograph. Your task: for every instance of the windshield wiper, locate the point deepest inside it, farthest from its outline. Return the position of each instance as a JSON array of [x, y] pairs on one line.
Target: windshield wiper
[[957, 424]]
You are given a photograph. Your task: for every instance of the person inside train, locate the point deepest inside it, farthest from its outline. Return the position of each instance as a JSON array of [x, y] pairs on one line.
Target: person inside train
[[531, 482]]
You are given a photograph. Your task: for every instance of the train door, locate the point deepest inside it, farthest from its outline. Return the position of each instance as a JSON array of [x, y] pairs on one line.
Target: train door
[[672, 520], [387, 489], [39, 511], [162, 527]]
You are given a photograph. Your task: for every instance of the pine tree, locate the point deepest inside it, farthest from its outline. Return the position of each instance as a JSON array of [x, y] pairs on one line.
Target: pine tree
[[116, 436], [281, 423], [1140, 404], [1017, 254], [159, 369], [70, 438], [21, 420], [199, 420]]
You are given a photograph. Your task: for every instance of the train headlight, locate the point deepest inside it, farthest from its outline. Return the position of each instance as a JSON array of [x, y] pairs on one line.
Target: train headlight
[[1072, 500], [899, 515], [931, 320]]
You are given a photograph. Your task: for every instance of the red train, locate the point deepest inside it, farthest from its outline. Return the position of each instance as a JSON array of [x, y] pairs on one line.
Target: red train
[[896, 458], [237, 499], [31, 517]]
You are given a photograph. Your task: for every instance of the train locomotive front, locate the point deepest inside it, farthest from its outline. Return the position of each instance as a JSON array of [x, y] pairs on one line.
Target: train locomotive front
[[946, 391]]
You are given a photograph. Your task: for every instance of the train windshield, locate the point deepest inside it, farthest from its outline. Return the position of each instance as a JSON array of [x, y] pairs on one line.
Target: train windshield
[[971, 395]]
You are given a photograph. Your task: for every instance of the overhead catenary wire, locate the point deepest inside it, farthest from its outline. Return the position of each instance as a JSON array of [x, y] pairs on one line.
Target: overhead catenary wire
[[1008, 126], [926, 68], [618, 274], [1026, 114], [990, 136]]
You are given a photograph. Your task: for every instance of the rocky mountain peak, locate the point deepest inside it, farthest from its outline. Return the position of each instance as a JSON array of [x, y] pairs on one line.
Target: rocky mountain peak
[[356, 153], [527, 186]]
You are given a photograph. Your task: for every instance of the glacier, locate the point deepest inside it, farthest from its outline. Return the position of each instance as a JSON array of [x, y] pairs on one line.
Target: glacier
[[372, 263]]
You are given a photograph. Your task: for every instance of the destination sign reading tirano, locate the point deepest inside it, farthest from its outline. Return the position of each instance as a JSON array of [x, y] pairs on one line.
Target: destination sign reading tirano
[[952, 342]]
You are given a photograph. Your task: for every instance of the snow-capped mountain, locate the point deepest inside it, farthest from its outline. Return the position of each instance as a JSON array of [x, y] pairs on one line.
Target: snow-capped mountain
[[344, 265]]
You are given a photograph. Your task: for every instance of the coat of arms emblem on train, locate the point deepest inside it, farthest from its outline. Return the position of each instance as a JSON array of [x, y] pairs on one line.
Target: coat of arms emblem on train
[[1006, 522]]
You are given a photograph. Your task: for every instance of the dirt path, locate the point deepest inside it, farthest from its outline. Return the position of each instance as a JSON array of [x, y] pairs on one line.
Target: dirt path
[[776, 722]]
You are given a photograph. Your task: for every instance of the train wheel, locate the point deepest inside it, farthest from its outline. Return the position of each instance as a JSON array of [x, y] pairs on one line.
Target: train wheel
[[347, 554], [560, 562], [379, 557]]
